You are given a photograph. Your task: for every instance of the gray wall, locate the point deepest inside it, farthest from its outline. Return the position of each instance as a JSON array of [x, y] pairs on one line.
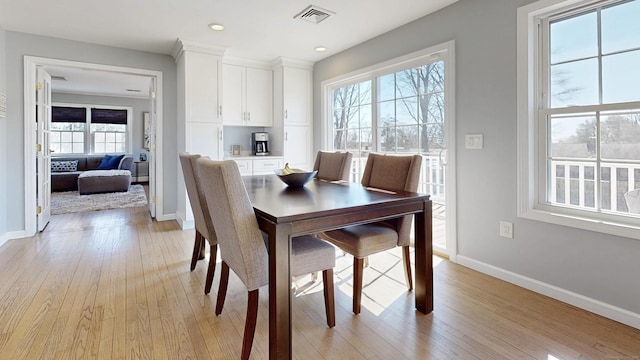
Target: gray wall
[[595, 265], [4, 206], [139, 106], [20, 44]]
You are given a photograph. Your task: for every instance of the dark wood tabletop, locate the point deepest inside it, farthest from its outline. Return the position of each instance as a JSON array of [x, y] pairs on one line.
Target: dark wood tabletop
[[284, 212]]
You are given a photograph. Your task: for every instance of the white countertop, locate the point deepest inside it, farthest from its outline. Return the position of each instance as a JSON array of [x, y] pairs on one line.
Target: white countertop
[[252, 157]]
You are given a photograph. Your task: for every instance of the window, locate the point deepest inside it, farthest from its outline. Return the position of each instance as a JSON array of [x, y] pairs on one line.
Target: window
[[397, 107], [78, 129], [108, 130], [68, 127], [580, 113]]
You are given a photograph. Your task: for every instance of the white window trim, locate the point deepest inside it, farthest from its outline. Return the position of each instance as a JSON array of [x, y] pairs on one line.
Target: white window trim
[[528, 137], [88, 138], [443, 51]]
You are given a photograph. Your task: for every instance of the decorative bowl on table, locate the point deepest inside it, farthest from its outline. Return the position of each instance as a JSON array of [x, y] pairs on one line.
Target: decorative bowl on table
[[295, 177]]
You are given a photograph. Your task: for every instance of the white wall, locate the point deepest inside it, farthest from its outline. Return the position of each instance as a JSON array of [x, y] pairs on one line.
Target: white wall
[[4, 205], [593, 270], [20, 44]]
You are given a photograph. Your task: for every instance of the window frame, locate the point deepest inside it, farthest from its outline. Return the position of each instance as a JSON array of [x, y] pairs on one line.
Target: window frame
[[532, 86], [444, 52], [89, 135]]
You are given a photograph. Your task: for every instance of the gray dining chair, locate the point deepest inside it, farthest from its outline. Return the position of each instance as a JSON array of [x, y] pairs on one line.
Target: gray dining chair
[[389, 173], [243, 248], [204, 226], [333, 166]]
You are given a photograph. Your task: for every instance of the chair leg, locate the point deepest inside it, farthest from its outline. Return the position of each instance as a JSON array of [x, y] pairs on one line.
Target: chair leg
[[222, 290], [358, 267], [197, 249], [213, 251], [250, 324], [203, 250], [329, 303], [406, 259]]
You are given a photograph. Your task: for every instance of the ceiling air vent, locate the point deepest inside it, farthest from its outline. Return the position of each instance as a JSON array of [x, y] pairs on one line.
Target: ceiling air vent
[[314, 14]]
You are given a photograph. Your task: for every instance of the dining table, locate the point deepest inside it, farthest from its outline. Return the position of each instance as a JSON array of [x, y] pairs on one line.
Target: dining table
[[285, 212]]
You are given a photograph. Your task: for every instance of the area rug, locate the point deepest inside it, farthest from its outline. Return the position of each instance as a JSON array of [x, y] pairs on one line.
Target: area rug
[[72, 201]]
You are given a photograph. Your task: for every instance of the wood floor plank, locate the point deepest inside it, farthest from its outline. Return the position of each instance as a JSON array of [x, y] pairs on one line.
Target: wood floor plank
[[116, 285]]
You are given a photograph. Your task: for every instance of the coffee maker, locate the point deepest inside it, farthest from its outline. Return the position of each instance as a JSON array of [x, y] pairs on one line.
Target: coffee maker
[[260, 143]]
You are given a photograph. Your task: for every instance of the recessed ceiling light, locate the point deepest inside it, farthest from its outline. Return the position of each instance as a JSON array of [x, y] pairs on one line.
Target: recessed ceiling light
[[320, 48], [216, 27]]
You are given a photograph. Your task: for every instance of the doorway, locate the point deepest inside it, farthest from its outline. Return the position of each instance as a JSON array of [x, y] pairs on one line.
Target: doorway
[[402, 106], [31, 131]]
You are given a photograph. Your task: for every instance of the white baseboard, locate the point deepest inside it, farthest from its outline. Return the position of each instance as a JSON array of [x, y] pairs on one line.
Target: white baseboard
[[186, 224], [595, 306], [165, 217], [13, 235], [181, 218]]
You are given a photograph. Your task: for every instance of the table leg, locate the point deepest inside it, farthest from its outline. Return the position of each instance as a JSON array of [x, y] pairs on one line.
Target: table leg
[[280, 292], [424, 259]]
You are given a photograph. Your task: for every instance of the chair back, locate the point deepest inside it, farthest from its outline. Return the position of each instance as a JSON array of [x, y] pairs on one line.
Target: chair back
[[196, 197], [394, 172], [333, 166], [241, 242]]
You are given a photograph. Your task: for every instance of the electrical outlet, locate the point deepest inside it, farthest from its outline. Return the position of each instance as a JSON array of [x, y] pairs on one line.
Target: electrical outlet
[[506, 229], [473, 141]]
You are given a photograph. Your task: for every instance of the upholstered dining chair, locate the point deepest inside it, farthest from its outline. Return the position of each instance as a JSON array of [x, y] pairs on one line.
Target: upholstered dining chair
[[204, 226], [333, 166], [390, 173], [242, 244]]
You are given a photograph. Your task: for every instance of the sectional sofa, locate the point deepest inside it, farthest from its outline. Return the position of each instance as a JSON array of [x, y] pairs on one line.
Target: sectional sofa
[[66, 170]]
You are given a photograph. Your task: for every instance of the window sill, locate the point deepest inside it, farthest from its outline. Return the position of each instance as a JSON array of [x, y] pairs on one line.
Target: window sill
[[598, 225]]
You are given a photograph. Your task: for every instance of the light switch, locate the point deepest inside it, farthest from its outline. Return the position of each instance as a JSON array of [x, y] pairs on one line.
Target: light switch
[[473, 141]]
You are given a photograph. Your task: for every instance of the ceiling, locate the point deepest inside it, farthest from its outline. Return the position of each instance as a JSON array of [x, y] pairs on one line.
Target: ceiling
[[254, 29]]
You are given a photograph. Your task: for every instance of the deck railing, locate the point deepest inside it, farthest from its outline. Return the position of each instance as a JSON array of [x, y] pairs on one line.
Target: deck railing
[[574, 183]]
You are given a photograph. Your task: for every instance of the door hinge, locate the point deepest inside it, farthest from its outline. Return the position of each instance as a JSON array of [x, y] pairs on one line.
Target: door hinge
[[153, 199], [38, 209], [38, 147], [38, 86], [153, 94]]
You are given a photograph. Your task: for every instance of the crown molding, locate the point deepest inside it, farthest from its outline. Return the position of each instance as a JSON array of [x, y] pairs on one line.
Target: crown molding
[[182, 46], [287, 62]]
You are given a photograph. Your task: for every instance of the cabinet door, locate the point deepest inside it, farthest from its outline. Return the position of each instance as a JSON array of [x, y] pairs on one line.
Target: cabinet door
[[201, 84], [232, 95], [259, 97], [297, 96], [204, 139], [297, 147]]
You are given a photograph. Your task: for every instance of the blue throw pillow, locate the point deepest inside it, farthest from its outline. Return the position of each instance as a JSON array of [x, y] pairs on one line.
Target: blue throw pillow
[[110, 162]]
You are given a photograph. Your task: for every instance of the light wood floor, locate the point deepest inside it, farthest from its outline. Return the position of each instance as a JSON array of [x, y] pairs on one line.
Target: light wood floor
[[116, 285]]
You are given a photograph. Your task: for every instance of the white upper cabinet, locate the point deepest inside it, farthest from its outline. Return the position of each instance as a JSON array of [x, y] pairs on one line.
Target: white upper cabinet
[[297, 96], [200, 74], [293, 112], [247, 96]]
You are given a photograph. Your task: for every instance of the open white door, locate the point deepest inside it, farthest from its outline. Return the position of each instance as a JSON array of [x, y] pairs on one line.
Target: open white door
[[152, 149], [43, 154]]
